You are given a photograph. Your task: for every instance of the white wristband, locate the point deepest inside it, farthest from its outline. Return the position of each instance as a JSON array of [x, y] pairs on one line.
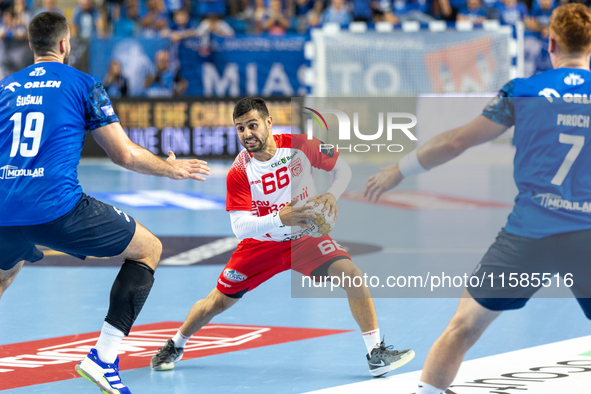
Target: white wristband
[[410, 165]]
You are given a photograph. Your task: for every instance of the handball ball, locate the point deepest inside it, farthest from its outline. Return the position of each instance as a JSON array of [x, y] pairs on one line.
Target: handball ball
[[322, 225]]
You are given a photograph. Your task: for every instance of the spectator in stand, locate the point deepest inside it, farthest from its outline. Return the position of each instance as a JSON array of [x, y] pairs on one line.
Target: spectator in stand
[[87, 21], [113, 10], [511, 12], [303, 6], [473, 12], [181, 26], [382, 11], [5, 5], [9, 29], [274, 22], [126, 24], [259, 12], [22, 16], [314, 16], [154, 20], [48, 6], [448, 9], [492, 8], [215, 25], [241, 9], [173, 6], [337, 13], [362, 11], [115, 83], [209, 8], [165, 81], [413, 10], [539, 16]]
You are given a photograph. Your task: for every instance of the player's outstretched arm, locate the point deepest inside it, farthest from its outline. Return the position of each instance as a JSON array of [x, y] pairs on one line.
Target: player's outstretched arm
[[437, 151], [124, 152]]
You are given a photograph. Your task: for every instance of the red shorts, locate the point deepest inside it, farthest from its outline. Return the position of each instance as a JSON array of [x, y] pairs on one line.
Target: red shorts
[[255, 262]]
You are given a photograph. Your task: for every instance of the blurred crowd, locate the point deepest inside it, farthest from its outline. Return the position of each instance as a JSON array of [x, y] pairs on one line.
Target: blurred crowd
[[180, 19]]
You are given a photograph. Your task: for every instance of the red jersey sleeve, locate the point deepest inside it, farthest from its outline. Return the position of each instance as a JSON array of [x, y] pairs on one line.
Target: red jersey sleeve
[[238, 197], [320, 156]]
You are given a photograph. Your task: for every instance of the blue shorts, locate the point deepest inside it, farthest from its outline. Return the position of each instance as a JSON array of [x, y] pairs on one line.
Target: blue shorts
[[91, 228], [512, 254]]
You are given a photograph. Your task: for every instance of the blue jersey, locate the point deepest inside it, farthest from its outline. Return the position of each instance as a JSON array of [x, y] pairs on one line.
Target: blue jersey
[[45, 111], [551, 112]]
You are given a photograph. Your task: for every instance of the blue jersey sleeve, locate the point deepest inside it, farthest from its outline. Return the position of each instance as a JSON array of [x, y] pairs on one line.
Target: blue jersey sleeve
[[500, 109], [98, 110]]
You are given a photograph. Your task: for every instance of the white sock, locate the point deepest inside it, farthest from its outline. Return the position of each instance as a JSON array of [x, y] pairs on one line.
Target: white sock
[[426, 388], [372, 339], [108, 343], [179, 339]]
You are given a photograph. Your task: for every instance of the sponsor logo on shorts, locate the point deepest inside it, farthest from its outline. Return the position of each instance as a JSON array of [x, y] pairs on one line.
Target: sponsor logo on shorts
[[553, 201], [234, 275], [11, 172]]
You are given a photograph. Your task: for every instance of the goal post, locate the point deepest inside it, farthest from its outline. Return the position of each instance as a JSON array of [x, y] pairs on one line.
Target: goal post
[[413, 60]]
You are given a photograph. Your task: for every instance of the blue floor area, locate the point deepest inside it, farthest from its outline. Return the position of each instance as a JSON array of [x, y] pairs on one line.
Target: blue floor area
[[46, 302]]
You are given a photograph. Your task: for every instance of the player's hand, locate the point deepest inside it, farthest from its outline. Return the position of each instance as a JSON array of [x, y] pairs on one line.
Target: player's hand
[[187, 169], [388, 178], [291, 216], [329, 201]]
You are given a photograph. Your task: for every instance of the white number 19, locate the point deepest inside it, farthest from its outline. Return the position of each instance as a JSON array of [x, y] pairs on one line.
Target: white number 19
[[30, 132], [577, 141]]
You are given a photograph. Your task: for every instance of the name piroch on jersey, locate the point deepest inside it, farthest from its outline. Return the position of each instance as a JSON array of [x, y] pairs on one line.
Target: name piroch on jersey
[[573, 120]]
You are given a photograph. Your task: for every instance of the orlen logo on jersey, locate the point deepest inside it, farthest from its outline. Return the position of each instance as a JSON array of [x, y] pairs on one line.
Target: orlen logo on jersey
[[43, 84], [37, 72], [11, 172], [576, 98], [548, 93], [573, 79], [345, 129], [11, 86]]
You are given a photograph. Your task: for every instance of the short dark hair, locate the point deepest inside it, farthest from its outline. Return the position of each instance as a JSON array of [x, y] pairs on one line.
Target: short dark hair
[[46, 30], [248, 104]]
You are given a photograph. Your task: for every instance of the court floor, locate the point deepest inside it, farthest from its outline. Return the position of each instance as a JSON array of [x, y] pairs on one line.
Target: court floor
[[272, 342]]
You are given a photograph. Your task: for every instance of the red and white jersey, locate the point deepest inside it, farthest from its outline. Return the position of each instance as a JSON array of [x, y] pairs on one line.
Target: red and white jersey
[[266, 187]]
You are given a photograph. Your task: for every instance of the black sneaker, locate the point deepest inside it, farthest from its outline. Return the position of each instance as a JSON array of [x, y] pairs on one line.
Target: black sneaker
[[383, 359], [166, 357]]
